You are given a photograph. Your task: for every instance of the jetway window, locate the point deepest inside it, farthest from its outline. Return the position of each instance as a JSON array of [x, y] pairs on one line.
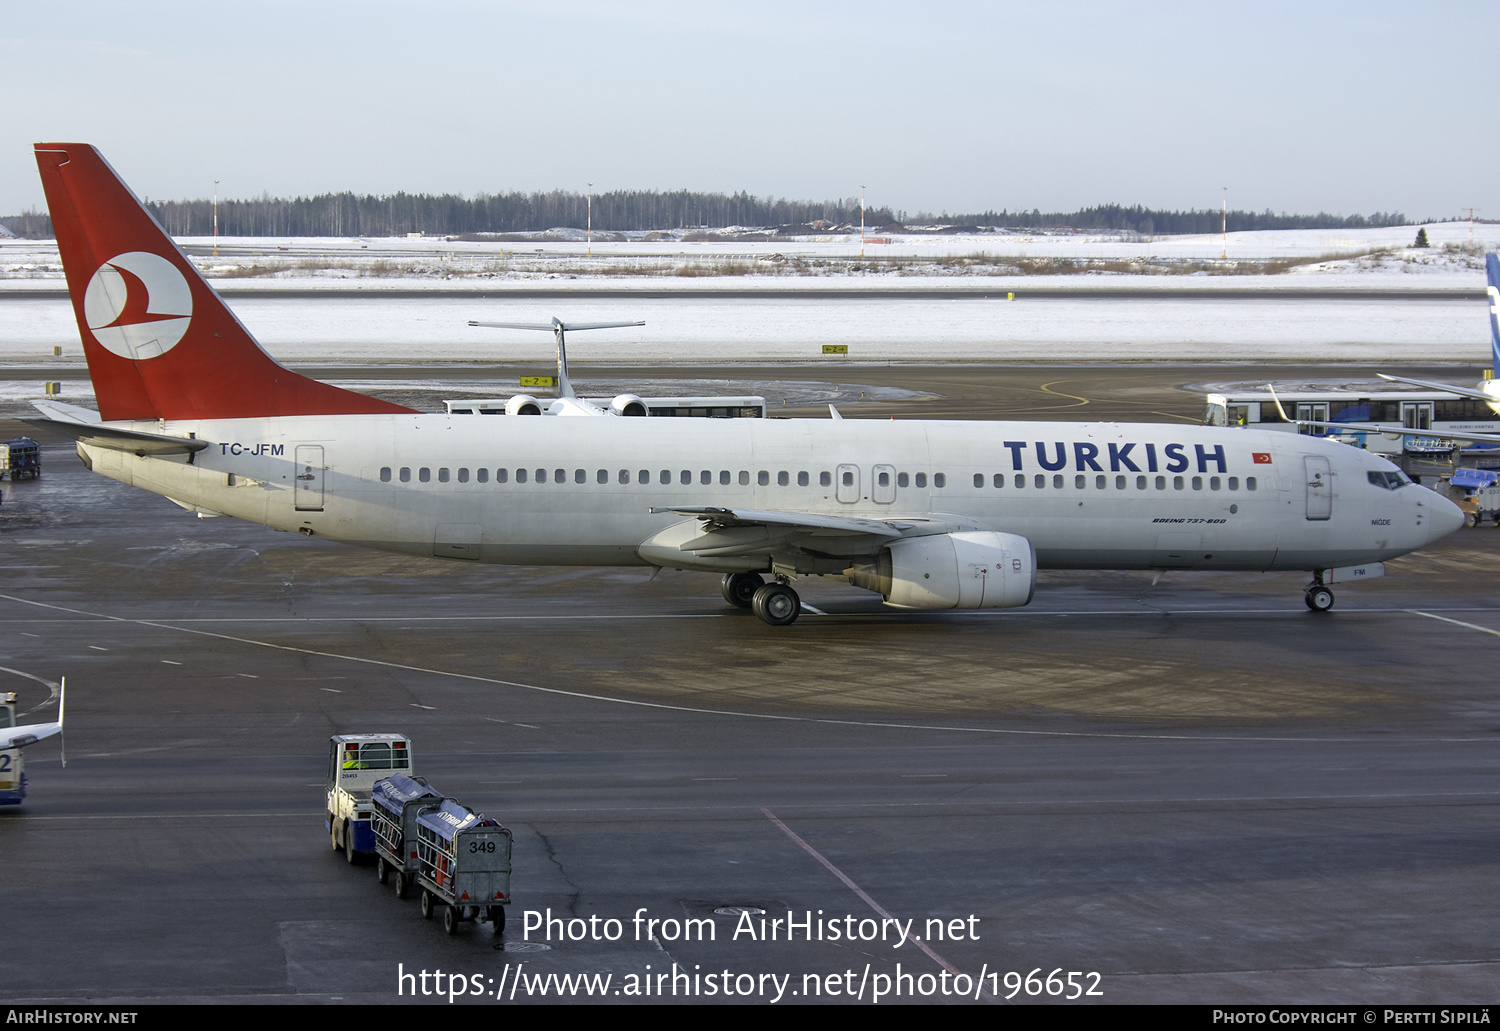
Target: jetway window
[[939, 480], [385, 474], [763, 478], [902, 480], [405, 474], [443, 475], [482, 475], [424, 474], [1197, 483], [723, 477], [503, 475], [921, 479], [744, 478], [783, 479], [463, 476]]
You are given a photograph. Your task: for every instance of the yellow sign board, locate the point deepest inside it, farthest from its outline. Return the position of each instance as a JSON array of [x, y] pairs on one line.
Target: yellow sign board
[[835, 348], [538, 381]]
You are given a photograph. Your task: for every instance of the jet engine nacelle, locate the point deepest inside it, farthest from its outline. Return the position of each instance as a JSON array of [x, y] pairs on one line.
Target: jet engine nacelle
[[523, 404], [969, 570], [628, 404]]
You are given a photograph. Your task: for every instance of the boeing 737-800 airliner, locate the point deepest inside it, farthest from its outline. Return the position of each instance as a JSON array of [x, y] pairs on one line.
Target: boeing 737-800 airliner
[[931, 515]]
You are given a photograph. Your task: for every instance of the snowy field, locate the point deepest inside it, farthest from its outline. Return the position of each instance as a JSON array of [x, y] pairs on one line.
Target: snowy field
[[347, 321], [987, 262]]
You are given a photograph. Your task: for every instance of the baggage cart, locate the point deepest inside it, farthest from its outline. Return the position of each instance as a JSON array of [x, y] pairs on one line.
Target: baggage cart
[[395, 804], [463, 863]]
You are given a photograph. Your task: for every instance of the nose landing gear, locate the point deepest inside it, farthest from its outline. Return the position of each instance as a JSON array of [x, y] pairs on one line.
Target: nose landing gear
[[1318, 597]]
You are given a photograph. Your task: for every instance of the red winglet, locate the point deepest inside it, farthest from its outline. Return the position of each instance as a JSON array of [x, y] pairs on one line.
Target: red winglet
[[160, 342]]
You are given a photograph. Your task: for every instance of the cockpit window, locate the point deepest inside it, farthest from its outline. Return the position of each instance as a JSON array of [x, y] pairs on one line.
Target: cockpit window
[[1391, 480]]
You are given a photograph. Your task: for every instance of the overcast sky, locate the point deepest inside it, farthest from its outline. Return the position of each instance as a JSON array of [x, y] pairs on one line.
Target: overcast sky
[[958, 107]]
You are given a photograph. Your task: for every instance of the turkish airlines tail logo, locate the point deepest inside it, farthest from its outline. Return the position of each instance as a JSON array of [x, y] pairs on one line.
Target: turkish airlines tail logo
[[138, 305]]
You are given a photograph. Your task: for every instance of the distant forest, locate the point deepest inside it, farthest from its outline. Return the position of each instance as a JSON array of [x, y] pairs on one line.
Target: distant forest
[[345, 214]]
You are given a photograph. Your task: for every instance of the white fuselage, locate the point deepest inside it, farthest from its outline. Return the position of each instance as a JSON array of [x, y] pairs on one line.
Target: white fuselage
[[537, 490]]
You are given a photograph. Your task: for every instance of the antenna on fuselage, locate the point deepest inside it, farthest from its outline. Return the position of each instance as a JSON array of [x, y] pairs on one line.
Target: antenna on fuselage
[[559, 330]]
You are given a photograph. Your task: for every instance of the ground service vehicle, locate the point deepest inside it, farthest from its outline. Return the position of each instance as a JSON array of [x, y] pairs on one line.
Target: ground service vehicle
[[20, 458], [1482, 495], [463, 861], [395, 803], [14, 737], [355, 763]]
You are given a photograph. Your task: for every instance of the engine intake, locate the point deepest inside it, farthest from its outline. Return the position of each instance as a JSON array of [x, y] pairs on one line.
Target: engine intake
[[523, 404]]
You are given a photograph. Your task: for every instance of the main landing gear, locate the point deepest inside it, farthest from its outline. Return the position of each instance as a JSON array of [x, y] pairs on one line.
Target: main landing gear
[[775, 603]]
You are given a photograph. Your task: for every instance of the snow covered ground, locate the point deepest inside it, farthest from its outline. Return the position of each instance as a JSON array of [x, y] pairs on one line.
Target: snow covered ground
[[1375, 258], [348, 321]]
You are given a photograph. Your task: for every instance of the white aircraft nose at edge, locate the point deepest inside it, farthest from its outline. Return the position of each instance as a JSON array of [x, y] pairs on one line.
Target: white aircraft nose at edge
[[928, 514]]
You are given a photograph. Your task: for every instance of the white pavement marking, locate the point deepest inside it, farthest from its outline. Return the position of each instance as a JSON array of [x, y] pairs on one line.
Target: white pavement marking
[[919, 943], [476, 678], [815, 611], [1455, 622]]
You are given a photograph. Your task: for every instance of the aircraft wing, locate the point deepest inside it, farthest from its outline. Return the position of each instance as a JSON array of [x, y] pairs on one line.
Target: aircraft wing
[[716, 518], [1389, 430], [1400, 431], [731, 533], [1451, 388], [28, 734], [75, 422]]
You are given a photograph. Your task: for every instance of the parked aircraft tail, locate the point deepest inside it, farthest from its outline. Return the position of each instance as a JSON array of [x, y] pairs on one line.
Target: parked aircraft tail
[[160, 342], [1492, 265]]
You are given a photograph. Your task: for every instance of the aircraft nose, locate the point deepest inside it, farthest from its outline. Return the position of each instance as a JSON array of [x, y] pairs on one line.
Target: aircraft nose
[[1443, 517]]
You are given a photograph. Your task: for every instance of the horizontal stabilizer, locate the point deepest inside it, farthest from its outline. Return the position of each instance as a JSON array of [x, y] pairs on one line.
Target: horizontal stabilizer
[[135, 442]]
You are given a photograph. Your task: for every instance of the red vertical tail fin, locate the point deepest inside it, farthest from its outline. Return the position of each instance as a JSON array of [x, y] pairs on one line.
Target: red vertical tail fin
[[160, 342]]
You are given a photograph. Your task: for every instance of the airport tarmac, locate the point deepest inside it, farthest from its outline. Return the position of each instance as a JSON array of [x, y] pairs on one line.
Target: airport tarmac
[[1197, 790]]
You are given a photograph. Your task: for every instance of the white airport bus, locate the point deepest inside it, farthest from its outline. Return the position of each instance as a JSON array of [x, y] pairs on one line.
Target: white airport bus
[[1425, 414]]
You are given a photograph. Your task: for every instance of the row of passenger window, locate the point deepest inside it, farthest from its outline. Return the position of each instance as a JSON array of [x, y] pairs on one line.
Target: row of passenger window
[[1101, 482], [725, 478], [643, 476]]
